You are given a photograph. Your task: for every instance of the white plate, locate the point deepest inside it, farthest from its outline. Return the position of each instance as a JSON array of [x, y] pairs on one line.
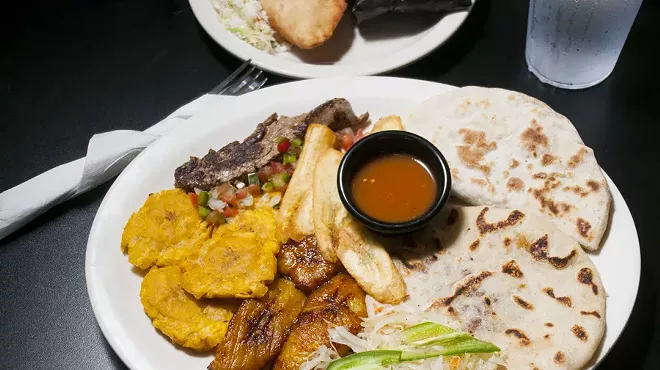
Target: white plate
[[114, 285], [378, 46]]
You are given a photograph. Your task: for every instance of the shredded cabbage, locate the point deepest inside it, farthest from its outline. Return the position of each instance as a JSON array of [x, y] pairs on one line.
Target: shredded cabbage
[[247, 20], [381, 330]]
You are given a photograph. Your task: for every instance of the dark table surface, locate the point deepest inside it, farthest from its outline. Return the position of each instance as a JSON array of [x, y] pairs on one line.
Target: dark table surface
[[69, 69]]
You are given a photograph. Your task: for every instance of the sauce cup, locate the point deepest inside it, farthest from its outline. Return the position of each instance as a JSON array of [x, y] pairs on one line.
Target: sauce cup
[[393, 142]]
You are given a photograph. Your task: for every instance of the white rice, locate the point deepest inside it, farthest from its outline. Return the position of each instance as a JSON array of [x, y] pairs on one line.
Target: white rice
[[248, 21]]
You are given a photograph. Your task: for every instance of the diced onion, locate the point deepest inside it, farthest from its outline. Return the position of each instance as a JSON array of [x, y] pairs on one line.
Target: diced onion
[[240, 185], [216, 204], [275, 200], [248, 201], [198, 190]]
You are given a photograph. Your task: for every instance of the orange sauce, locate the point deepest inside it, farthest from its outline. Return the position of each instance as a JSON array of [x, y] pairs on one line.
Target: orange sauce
[[394, 188]]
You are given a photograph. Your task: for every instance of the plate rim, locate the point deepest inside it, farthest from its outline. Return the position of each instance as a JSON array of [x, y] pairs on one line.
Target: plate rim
[[94, 286], [435, 38]]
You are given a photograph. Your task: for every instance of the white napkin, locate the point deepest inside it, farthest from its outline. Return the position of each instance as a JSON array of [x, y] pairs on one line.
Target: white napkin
[[107, 155]]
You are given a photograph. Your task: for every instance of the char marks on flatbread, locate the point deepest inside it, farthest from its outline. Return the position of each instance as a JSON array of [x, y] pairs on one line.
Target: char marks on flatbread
[[528, 287], [506, 149]]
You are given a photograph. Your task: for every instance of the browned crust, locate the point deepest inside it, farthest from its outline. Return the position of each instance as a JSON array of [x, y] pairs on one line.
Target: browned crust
[[522, 338], [522, 303], [566, 301], [590, 313], [539, 251], [580, 332], [533, 136], [547, 159], [485, 227], [583, 227], [465, 288], [585, 276], [515, 184], [512, 269], [577, 158], [475, 147]]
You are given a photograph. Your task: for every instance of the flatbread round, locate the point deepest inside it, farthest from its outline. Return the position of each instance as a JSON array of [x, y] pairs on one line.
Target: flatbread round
[[507, 149], [510, 278]]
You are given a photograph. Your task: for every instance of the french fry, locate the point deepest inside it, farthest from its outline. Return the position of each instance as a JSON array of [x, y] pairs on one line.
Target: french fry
[[326, 204], [340, 237], [388, 123], [303, 223], [317, 139]]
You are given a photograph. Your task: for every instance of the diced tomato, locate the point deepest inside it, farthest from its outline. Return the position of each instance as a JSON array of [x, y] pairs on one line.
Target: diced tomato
[[283, 146], [345, 141], [277, 167], [241, 193], [255, 190], [229, 197], [230, 211], [359, 135], [194, 199], [345, 138], [265, 173]]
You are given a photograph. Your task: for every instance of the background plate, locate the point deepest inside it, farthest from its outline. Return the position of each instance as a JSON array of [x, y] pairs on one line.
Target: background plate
[[114, 285], [378, 46]]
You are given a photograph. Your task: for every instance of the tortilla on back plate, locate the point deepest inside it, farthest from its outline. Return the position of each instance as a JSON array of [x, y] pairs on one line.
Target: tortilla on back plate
[[507, 149], [510, 278]]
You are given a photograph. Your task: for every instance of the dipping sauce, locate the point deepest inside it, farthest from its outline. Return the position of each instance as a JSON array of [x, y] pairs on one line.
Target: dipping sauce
[[394, 188]]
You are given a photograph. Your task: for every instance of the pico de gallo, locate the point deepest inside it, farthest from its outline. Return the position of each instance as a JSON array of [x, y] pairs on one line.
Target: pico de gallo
[[264, 187], [347, 137]]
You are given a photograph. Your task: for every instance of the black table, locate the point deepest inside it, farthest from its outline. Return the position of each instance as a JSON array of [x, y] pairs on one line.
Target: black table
[[72, 68]]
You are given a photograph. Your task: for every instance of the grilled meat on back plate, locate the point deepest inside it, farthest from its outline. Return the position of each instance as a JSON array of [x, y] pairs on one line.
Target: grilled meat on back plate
[[303, 263], [235, 160], [339, 302], [259, 328]]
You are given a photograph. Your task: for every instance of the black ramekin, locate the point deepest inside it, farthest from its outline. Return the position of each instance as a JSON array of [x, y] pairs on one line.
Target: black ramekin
[[393, 142]]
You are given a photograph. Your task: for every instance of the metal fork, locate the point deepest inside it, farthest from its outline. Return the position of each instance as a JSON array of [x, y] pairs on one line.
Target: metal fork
[[245, 79]]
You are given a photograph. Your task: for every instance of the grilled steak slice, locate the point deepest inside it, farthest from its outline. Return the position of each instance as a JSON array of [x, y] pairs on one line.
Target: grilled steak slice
[[238, 159]]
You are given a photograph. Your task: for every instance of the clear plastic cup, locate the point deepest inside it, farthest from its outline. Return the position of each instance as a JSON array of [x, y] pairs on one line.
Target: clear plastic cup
[[574, 44]]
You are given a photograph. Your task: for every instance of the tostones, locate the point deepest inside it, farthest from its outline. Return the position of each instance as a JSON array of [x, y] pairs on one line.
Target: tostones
[[238, 261], [163, 231], [188, 322]]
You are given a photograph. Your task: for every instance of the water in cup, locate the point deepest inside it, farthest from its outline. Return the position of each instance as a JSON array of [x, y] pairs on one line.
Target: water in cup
[[575, 44]]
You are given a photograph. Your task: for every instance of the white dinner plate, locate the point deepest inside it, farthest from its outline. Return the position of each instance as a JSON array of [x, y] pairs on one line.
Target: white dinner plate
[[377, 46], [114, 285]]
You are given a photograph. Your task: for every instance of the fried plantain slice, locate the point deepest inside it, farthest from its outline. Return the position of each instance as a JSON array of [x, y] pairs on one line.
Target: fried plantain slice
[[259, 328], [341, 237], [163, 230], [188, 322], [339, 302], [327, 209], [295, 216], [303, 263]]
